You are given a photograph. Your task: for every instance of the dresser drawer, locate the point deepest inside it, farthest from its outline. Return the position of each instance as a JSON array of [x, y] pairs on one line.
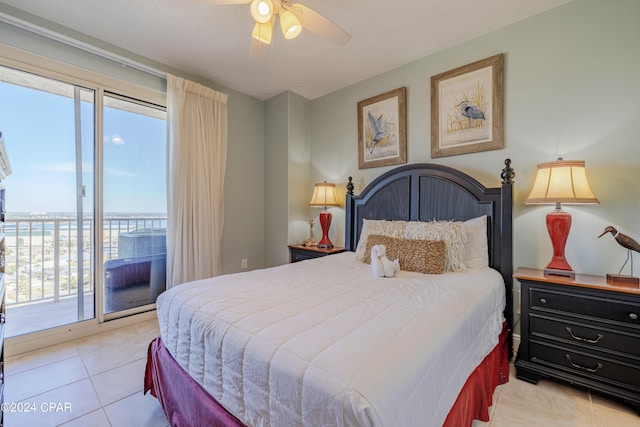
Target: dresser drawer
[[589, 336], [603, 308], [587, 365], [301, 256], [300, 253]]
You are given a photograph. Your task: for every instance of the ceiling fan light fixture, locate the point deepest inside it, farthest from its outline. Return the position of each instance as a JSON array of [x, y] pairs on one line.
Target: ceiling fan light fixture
[[290, 25], [263, 32], [262, 10]]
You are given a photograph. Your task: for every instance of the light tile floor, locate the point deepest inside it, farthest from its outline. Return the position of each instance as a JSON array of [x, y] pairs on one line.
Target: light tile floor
[[100, 378]]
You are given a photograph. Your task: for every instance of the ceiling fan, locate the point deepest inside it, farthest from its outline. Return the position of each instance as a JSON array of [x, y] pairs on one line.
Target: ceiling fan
[[293, 18]]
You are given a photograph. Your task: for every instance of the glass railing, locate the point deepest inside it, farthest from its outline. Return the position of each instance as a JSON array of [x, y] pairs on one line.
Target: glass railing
[[43, 260]]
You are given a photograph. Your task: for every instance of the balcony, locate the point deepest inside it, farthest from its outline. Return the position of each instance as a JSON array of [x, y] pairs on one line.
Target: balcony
[[47, 260]]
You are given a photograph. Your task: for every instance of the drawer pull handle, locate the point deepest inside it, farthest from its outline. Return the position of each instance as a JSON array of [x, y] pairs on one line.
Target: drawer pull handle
[[584, 368], [543, 300], [633, 316], [587, 340]]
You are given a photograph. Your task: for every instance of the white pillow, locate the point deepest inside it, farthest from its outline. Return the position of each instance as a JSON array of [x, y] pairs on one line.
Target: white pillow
[[476, 250]]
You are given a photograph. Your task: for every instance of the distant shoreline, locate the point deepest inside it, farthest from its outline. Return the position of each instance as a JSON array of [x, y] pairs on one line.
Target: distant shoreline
[[72, 215]]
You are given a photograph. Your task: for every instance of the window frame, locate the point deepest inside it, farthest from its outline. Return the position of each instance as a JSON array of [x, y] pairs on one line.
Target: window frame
[[101, 84]]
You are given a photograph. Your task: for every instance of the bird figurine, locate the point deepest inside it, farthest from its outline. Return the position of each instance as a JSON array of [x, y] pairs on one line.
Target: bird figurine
[[625, 241], [470, 111], [376, 129]]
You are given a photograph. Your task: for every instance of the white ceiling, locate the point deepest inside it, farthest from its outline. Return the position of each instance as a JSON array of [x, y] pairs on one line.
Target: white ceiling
[[212, 41]]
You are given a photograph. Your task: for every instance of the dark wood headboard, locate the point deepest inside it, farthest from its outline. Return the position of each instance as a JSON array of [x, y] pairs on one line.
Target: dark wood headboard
[[424, 192]]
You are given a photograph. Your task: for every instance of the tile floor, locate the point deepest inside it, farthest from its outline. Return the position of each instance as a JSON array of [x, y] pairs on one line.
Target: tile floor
[[100, 379]]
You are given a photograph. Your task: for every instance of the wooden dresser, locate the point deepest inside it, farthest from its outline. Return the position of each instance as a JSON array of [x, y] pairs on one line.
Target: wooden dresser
[[582, 330]]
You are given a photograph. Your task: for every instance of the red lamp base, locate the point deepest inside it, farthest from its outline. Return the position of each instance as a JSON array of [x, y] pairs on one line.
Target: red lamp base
[[558, 226], [325, 223]]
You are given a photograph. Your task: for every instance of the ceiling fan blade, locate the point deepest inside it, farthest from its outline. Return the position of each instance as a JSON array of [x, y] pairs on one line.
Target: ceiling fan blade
[[319, 25]]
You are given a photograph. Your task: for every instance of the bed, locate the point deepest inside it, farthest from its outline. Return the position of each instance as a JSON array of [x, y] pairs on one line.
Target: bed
[[324, 343]]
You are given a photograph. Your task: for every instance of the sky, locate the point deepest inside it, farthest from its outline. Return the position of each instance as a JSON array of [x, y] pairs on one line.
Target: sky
[[39, 135]]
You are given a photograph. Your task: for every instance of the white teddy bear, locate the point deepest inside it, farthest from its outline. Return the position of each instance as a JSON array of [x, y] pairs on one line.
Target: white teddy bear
[[381, 265]]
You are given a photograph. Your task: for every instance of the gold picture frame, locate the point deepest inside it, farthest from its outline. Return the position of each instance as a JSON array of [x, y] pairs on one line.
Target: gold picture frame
[[382, 129], [467, 108]]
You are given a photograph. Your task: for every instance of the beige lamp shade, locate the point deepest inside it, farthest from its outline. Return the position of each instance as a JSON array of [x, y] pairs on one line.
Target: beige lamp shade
[[562, 181], [324, 194]]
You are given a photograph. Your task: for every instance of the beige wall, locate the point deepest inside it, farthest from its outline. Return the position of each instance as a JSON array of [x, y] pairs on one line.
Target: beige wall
[[276, 180], [244, 199], [300, 185], [287, 182]]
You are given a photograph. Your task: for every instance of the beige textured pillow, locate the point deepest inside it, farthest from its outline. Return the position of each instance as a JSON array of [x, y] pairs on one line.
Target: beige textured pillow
[[451, 232], [380, 227], [422, 256]]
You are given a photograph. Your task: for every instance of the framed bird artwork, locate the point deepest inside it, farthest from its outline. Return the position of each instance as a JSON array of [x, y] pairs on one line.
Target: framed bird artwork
[[467, 109], [382, 134]]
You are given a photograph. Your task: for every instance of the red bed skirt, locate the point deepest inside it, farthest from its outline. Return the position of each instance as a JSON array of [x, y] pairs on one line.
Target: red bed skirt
[[476, 397], [187, 404]]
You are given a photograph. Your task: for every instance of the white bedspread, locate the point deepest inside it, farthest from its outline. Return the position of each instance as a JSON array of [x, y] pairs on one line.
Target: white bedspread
[[324, 343]]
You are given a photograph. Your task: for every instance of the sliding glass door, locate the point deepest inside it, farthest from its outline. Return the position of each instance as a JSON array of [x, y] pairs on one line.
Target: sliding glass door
[[48, 126], [86, 218], [135, 203]]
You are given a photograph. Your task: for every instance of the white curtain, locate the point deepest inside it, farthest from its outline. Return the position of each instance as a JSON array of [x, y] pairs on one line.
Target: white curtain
[[197, 151]]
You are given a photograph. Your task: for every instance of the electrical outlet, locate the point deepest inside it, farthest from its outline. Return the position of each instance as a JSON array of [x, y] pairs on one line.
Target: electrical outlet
[[244, 263]]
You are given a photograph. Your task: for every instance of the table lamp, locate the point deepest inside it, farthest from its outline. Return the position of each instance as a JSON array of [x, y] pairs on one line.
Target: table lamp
[[562, 181], [324, 195]]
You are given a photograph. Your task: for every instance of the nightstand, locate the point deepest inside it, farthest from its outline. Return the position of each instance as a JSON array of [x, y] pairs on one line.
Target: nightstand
[[582, 330], [300, 253]]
